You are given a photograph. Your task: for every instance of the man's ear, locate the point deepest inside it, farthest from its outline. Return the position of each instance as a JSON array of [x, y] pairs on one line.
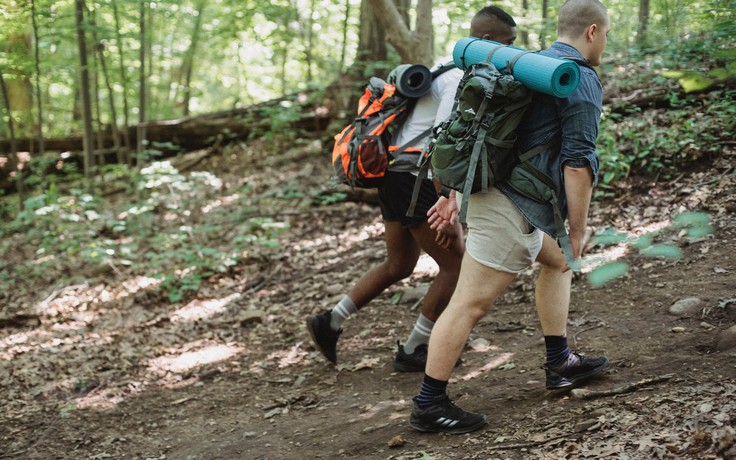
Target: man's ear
[[591, 31]]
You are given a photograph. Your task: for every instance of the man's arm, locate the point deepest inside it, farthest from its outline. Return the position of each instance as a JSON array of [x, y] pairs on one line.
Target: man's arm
[[578, 189]]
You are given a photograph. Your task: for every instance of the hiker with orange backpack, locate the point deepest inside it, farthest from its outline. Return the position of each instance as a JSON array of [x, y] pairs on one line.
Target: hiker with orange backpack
[[406, 237]]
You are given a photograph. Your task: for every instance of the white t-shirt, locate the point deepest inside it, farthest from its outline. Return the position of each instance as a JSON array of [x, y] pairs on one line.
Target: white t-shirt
[[431, 109]]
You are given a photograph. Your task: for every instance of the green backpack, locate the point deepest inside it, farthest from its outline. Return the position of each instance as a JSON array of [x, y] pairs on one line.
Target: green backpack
[[475, 147]]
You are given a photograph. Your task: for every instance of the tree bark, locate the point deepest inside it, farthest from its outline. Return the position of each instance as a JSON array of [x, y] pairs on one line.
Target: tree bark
[[123, 81], [80, 8], [643, 27], [188, 62], [141, 132], [14, 164], [415, 46], [19, 88], [37, 64], [545, 20]]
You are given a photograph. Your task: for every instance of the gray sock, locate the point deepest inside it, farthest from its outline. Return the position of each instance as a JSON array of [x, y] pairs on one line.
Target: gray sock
[[420, 334], [341, 312]]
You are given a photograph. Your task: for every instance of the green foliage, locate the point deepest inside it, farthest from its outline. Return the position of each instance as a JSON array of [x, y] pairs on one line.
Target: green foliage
[[695, 224], [716, 47], [662, 143], [275, 123], [167, 235]]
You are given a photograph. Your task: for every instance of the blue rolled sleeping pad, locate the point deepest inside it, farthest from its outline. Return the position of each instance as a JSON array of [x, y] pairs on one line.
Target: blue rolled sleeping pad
[[550, 75]]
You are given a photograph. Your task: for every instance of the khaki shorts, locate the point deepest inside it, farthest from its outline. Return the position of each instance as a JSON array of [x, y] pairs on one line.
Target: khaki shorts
[[499, 237]]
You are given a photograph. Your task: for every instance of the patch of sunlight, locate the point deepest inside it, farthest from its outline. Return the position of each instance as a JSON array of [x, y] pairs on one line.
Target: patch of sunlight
[[609, 254], [222, 201], [186, 361], [368, 410], [495, 363], [617, 251], [42, 340], [291, 356], [138, 283], [103, 400], [426, 266], [201, 309], [370, 231], [324, 240]]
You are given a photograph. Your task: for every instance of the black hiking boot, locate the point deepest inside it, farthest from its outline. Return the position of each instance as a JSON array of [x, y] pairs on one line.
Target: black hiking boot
[[324, 338], [577, 369], [411, 362], [443, 416]]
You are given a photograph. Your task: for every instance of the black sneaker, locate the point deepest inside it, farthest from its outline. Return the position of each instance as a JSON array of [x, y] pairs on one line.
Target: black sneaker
[[411, 362], [324, 338], [577, 369], [443, 416]]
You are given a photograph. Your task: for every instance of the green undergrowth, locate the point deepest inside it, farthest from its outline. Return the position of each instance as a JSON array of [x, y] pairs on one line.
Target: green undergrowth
[[174, 227]]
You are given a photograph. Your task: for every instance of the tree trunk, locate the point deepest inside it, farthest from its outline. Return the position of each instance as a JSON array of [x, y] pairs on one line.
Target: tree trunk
[[643, 27], [141, 131], [113, 112], [18, 86], [343, 48], [14, 164], [188, 62], [545, 20], [525, 31], [310, 40], [123, 81], [415, 46], [37, 64], [95, 77], [372, 51], [85, 89]]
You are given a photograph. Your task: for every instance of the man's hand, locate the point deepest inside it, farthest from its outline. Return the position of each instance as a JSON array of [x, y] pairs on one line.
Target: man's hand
[[443, 213], [443, 219]]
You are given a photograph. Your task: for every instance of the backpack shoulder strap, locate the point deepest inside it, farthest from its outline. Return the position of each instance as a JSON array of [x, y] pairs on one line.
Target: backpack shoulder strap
[[580, 62], [442, 69]]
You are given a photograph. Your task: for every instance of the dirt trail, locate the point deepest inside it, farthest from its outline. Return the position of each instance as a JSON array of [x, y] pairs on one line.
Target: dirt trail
[[231, 374]]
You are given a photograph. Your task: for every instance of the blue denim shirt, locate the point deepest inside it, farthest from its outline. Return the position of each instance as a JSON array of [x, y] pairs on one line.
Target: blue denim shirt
[[574, 122]]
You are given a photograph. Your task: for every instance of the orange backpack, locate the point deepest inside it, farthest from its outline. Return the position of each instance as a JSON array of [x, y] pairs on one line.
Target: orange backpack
[[363, 151]]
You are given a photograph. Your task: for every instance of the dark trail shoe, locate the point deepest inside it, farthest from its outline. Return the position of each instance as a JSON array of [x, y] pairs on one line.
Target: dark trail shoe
[[577, 369], [411, 362], [443, 416], [324, 338]]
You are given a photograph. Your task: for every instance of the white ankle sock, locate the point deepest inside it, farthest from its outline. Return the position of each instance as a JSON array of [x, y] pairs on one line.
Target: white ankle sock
[[420, 334], [341, 312]]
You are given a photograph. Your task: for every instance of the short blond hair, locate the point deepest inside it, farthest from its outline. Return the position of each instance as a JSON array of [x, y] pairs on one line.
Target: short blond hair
[[576, 15]]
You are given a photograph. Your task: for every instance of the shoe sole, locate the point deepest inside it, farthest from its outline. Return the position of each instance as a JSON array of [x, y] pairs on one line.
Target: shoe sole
[[311, 320], [573, 382], [419, 426], [401, 367]]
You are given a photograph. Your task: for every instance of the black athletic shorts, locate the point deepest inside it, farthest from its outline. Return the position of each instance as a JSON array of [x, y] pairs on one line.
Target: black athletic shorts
[[394, 195]]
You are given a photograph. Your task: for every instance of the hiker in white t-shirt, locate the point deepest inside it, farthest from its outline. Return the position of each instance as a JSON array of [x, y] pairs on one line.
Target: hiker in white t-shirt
[[406, 237]]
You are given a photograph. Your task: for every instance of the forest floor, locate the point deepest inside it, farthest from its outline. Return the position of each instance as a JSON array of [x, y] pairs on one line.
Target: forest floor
[[109, 369]]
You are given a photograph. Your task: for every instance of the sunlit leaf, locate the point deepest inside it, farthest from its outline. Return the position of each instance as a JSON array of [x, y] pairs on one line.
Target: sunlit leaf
[[609, 237], [695, 83], [719, 73], [687, 219], [642, 242], [700, 231], [607, 272], [663, 250]]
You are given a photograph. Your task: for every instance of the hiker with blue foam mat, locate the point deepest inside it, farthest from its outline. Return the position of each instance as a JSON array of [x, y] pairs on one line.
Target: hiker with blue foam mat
[[508, 231], [406, 237]]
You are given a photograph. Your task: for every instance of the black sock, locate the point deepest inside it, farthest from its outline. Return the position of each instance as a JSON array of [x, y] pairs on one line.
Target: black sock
[[431, 388], [557, 349]]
